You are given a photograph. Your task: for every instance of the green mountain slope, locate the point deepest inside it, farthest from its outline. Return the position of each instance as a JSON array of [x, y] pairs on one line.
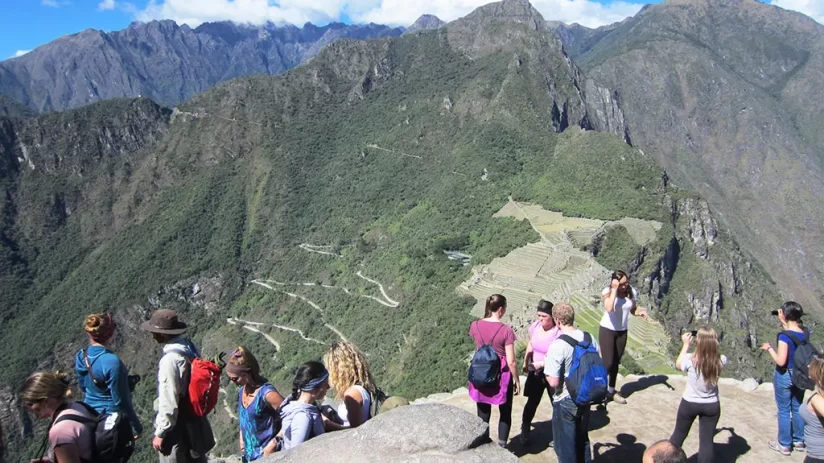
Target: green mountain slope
[[724, 96], [317, 206]]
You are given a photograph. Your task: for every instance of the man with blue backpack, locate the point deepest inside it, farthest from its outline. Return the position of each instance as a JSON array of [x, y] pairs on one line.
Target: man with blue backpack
[[574, 369]]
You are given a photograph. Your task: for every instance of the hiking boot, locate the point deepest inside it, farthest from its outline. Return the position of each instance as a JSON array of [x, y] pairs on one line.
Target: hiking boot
[[523, 439], [799, 447], [617, 398], [780, 448]]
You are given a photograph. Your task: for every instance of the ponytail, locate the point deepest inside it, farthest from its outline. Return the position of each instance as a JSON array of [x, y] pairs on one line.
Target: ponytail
[[494, 303]]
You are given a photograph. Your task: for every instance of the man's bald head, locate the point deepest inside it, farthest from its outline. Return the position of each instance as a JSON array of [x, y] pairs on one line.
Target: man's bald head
[[664, 451]]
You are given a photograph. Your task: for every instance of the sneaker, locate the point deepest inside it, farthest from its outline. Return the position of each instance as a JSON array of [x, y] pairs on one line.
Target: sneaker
[[617, 398], [799, 447], [779, 448], [523, 439], [502, 445]]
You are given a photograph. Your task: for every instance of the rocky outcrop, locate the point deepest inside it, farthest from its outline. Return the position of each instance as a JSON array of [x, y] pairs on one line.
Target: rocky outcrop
[[162, 60], [417, 433]]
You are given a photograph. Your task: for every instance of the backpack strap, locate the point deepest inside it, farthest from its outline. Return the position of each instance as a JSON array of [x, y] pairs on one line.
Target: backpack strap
[[570, 340], [483, 343], [89, 366], [794, 337]]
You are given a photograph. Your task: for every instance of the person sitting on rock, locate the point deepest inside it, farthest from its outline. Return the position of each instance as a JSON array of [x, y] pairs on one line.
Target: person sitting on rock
[[813, 414], [302, 419], [258, 405], [542, 334], [354, 385], [101, 375], [788, 397], [664, 451], [490, 330], [700, 398], [570, 422], [620, 300], [47, 395]]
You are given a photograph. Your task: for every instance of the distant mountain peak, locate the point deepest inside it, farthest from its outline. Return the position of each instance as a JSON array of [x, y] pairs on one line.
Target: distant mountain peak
[[426, 22], [512, 10]]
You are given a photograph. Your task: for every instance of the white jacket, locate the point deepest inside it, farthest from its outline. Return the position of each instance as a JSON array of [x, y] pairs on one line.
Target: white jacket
[[173, 373]]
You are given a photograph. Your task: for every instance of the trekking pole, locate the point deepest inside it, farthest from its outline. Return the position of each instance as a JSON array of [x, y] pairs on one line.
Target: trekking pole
[[39, 455]]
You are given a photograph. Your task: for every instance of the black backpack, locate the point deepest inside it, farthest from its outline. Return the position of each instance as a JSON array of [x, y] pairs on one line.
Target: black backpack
[[485, 367], [113, 440], [804, 354]]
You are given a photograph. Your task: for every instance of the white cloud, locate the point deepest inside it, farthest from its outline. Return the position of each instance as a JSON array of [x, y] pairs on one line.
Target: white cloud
[[392, 12], [20, 53], [812, 8], [585, 12], [55, 3], [106, 5]]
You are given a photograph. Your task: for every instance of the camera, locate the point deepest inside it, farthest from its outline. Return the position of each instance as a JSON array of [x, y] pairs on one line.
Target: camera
[[133, 380]]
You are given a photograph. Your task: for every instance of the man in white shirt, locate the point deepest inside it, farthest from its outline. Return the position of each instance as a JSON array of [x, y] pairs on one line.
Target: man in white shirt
[[179, 436], [570, 423]]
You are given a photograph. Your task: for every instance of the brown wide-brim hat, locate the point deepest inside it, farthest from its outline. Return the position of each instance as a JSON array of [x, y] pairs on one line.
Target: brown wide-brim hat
[[164, 321]]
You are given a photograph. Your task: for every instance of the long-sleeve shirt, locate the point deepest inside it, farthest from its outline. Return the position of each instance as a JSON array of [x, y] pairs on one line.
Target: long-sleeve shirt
[[172, 382], [115, 396]]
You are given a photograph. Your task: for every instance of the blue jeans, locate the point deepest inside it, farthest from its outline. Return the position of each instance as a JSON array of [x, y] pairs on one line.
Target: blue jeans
[[788, 398], [570, 432]]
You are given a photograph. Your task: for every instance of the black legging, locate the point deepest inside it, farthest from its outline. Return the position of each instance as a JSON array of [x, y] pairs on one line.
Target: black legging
[[505, 409], [612, 344], [534, 391], [708, 415]]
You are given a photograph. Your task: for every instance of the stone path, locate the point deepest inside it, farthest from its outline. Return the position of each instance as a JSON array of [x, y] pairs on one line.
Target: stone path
[[622, 432]]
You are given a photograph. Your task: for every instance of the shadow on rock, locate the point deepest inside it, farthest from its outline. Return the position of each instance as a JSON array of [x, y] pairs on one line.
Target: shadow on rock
[[598, 418], [735, 447], [626, 450], [539, 440], [643, 383]]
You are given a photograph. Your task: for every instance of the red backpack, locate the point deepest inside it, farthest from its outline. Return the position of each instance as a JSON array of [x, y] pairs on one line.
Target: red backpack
[[204, 386]]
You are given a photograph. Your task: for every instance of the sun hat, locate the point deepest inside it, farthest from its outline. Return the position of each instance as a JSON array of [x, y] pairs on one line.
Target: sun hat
[[164, 321]]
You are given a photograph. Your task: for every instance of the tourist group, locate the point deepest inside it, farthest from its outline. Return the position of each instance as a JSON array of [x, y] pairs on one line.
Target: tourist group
[[561, 361]]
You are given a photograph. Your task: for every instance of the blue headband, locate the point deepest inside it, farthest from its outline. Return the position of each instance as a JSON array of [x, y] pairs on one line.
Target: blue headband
[[312, 385]]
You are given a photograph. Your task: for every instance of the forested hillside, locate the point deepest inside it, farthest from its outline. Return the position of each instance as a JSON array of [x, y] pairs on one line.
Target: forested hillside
[[318, 205]]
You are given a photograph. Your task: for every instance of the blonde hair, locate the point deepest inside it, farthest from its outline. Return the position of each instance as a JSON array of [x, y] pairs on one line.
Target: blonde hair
[[100, 326], [817, 372], [46, 385], [564, 313], [347, 367], [707, 358], [242, 357]]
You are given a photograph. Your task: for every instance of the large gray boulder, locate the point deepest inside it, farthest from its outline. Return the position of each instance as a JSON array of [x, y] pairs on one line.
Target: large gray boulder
[[417, 433]]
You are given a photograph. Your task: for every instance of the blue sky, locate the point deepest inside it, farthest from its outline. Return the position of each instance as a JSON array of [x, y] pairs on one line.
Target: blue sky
[[27, 24]]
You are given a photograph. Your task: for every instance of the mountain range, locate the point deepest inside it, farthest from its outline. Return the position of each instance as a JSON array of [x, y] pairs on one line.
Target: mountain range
[[284, 212], [162, 60]]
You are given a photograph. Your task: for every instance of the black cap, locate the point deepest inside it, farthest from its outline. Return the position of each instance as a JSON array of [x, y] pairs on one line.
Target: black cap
[[792, 311], [545, 306]]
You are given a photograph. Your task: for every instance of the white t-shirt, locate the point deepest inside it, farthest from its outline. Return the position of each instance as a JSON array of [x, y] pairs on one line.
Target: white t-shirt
[[367, 403], [698, 391], [618, 320], [558, 360]]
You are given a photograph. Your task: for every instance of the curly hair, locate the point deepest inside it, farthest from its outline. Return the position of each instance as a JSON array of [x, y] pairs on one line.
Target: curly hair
[[347, 367], [44, 385], [100, 326]]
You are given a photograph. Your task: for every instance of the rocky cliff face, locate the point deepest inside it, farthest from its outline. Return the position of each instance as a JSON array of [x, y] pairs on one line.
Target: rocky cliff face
[[162, 61], [722, 94]]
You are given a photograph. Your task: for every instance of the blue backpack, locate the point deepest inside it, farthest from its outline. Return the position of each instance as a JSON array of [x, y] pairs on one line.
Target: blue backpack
[[587, 378], [485, 367]]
